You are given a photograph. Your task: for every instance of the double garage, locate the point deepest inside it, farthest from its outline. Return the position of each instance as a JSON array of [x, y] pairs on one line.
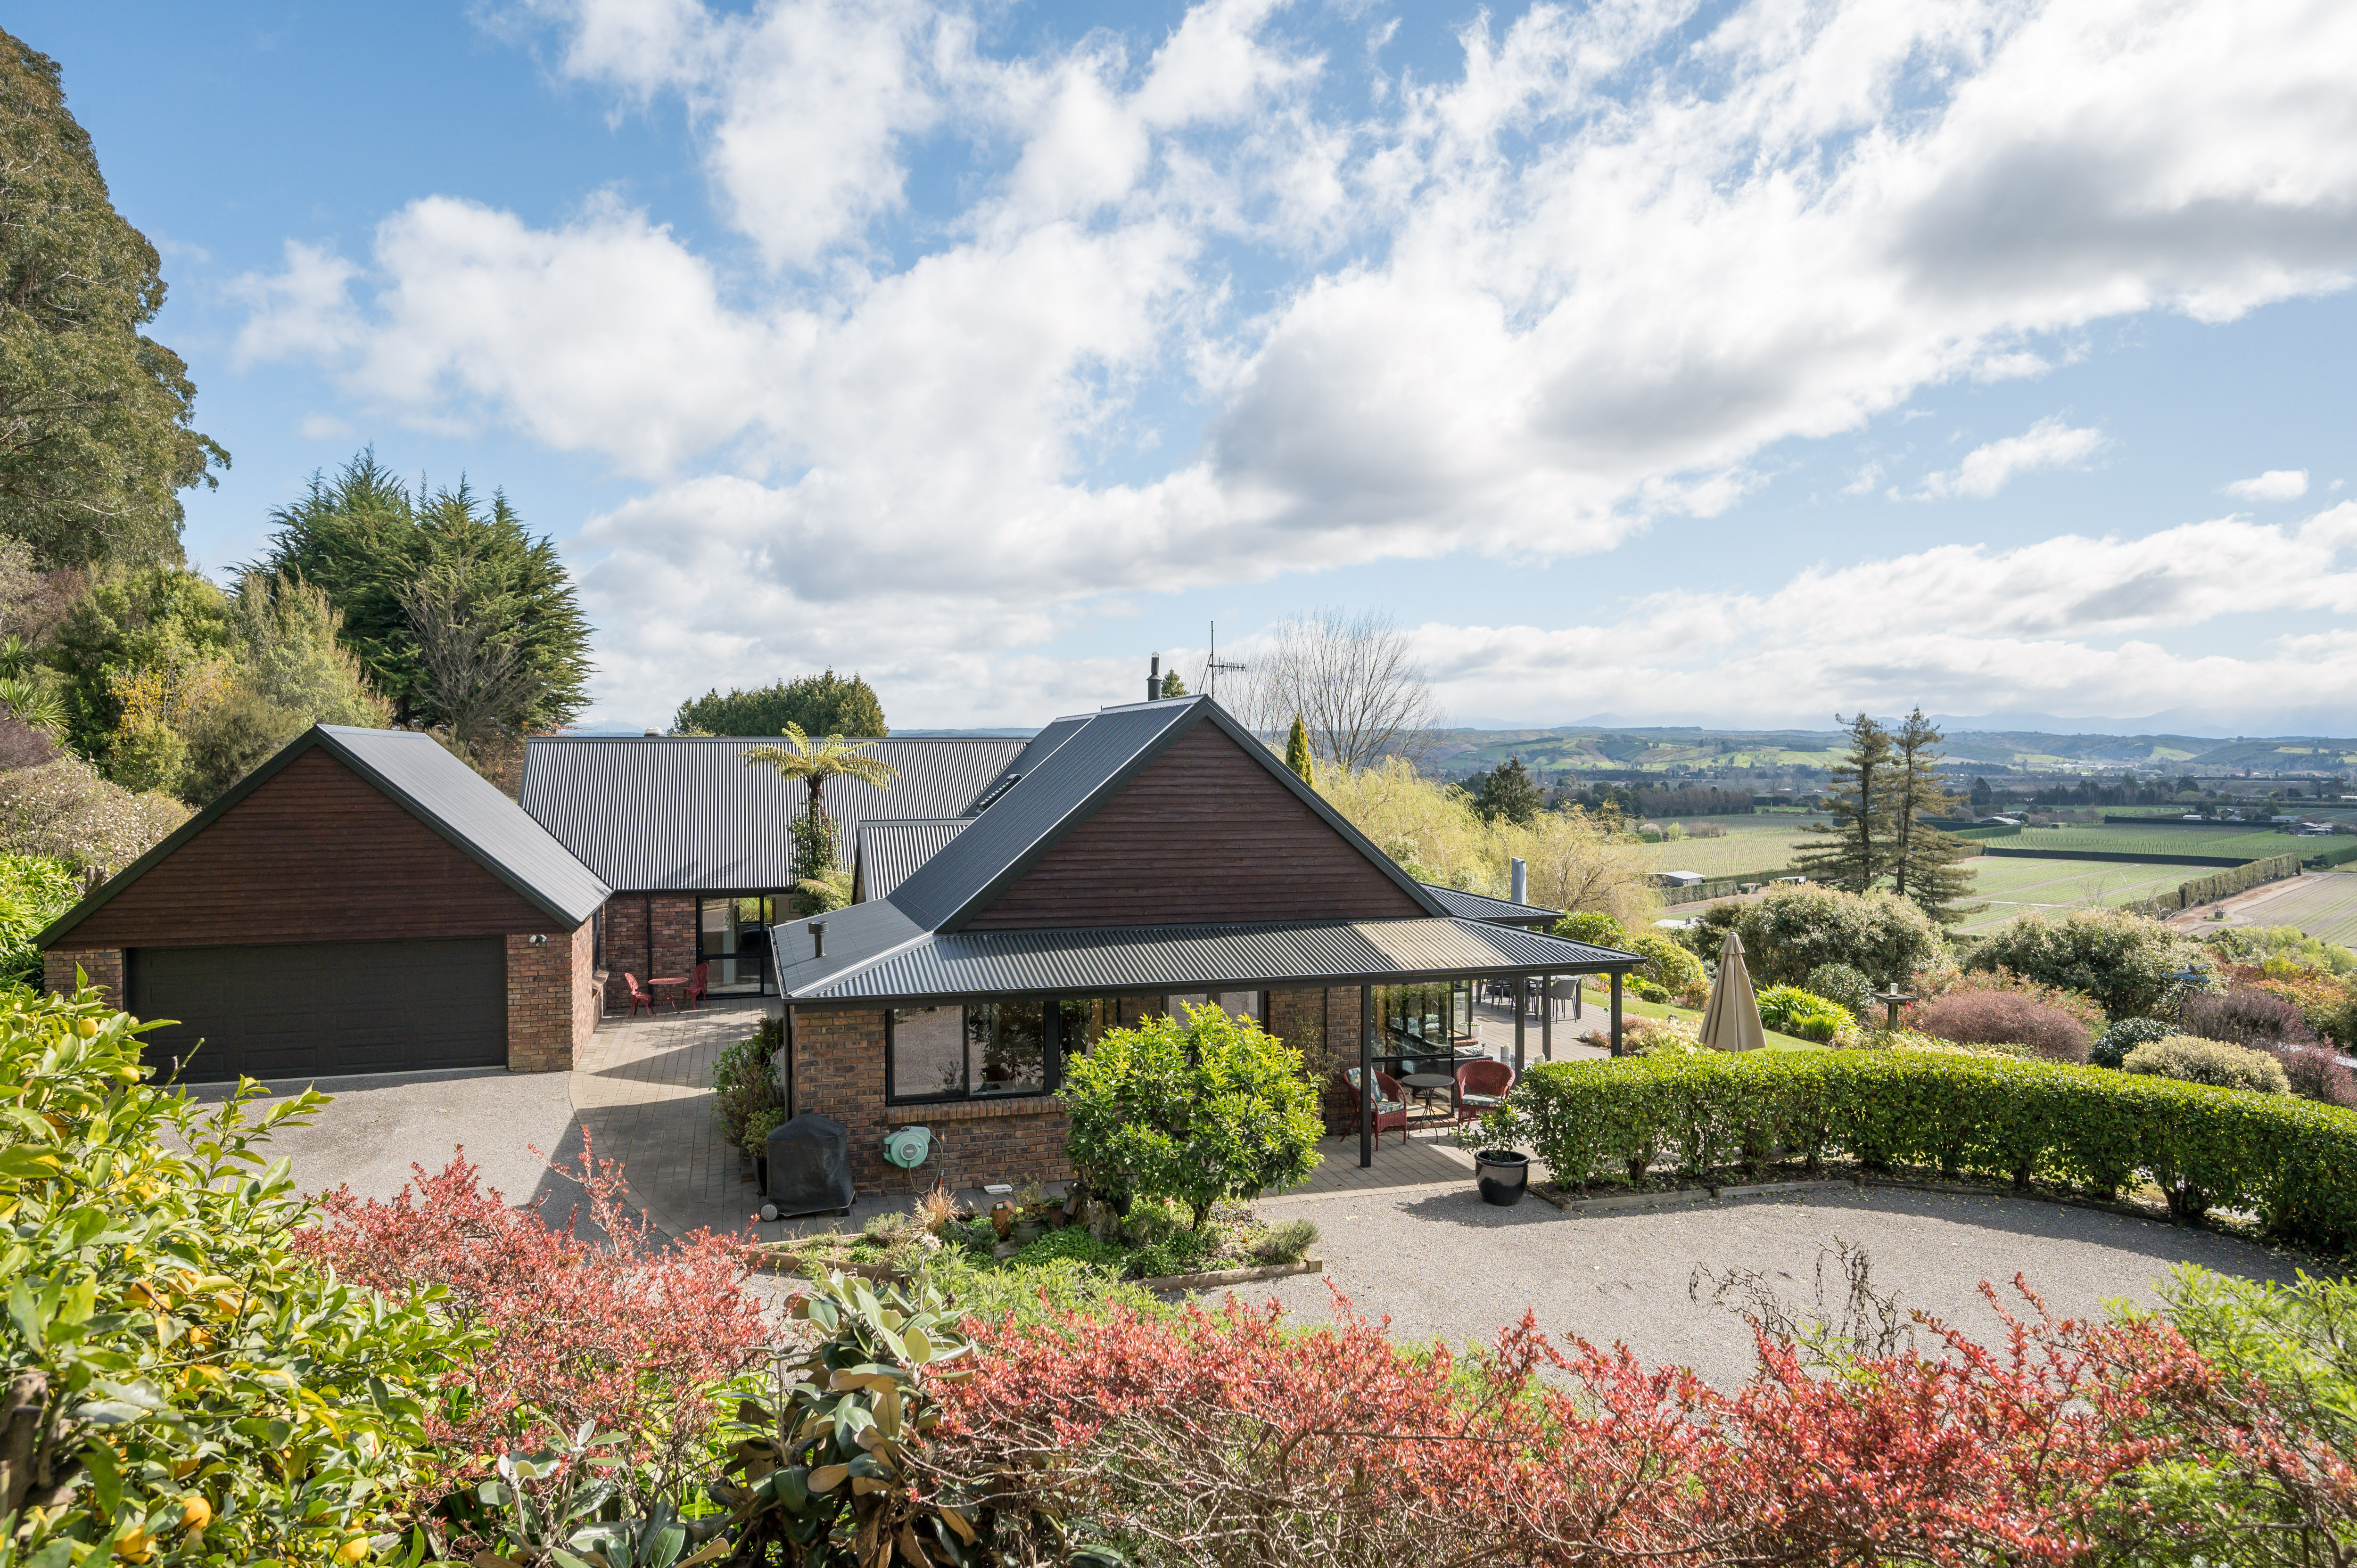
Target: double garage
[[362, 903]]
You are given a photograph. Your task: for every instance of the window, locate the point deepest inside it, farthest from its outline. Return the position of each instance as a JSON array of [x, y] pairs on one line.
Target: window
[[1235, 1004], [955, 1053], [1082, 1021]]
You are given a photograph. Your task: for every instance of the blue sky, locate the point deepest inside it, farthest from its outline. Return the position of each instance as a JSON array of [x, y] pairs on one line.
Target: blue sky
[[1734, 363]]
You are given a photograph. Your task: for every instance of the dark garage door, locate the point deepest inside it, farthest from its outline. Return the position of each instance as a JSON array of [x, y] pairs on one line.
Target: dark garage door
[[323, 1008]]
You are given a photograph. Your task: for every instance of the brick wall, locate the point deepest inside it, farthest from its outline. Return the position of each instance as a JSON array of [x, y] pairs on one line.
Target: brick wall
[[553, 1000], [626, 940], [1323, 1026], [839, 1072], [103, 965]]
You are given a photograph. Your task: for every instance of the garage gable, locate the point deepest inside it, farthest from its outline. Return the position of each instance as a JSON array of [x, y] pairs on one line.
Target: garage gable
[[312, 852]]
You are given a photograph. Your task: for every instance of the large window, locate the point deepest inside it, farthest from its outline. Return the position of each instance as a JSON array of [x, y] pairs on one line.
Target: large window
[[987, 1049], [732, 938], [959, 1053]]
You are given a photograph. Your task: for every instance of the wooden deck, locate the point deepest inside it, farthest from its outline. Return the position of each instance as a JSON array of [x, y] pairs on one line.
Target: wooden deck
[[1427, 1159]]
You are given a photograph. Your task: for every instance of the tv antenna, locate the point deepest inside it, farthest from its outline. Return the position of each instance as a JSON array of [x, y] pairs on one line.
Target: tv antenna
[[1212, 666]]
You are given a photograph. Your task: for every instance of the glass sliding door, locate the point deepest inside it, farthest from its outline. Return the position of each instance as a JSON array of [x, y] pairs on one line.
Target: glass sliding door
[[732, 936]]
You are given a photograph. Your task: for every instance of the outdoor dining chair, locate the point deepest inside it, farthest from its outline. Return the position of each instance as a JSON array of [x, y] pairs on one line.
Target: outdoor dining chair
[[1482, 1086], [1390, 1103], [639, 996]]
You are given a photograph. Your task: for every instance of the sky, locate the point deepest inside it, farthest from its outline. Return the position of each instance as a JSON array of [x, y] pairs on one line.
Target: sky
[[1734, 364]]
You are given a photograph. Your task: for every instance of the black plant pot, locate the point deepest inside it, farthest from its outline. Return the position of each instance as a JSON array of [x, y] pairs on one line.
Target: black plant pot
[[1504, 1176]]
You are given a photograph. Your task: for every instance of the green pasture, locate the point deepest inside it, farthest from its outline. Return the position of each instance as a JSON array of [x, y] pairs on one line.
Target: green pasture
[[1751, 843], [2323, 903], [2012, 887]]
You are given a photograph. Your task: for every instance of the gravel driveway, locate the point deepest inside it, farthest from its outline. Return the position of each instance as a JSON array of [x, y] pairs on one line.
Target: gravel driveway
[[1444, 1264]]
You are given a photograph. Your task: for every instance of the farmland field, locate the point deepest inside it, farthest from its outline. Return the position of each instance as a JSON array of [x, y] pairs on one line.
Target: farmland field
[[2324, 904], [1758, 842], [2013, 887], [2251, 843]]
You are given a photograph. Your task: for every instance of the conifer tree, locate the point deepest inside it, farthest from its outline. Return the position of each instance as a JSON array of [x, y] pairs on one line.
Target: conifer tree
[[1854, 851], [1922, 858], [1297, 755]]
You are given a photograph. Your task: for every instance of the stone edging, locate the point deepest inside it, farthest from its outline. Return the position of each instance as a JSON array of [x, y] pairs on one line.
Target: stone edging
[[1234, 1277]]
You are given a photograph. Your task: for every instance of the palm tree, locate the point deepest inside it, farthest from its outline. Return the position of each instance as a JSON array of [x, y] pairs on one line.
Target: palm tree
[[816, 761]]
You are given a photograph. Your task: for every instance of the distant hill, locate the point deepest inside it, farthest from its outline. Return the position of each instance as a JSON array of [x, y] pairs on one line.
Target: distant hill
[[1587, 748]]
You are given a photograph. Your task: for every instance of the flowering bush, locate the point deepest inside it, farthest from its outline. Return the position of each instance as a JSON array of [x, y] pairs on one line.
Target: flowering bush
[[2003, 1016], [616, 1330], [1230, 1438]]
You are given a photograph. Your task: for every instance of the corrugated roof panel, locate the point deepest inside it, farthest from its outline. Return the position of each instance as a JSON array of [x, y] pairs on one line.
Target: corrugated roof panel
[[890, 851], [1038, 750], [429, 780], [1180, 958], [1019, 821], [680, 813], [1481, 906]]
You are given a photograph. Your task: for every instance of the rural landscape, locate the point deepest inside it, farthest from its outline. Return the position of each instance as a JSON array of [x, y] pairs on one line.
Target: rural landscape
[[1020, 784]]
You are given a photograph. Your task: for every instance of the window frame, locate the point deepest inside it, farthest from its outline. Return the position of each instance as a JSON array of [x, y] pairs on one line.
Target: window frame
[[1051, 1049]]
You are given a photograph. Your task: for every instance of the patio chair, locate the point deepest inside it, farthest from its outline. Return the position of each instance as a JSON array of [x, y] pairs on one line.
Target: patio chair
[[1390, 1103], [1482, 1086], [695, 991], [639, 996]]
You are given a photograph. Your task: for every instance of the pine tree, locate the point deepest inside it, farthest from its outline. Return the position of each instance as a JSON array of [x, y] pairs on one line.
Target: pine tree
[[1298, 755], [1922, 858], [1506, 791], [1983, 795], [1172, 686], [1855, 851]]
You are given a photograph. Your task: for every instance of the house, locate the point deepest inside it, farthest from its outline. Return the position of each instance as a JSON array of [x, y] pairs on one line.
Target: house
[[361, 902], [692, 840], [365, 903], [1139, 859], [1677, 879]]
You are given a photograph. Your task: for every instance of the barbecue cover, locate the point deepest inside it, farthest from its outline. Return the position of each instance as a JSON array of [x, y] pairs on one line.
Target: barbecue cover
[[810, 1165]]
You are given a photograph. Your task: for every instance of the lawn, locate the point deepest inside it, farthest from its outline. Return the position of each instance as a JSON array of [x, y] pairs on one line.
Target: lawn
[[1632, 1008], [2012, 887], [1751, 843], [2323, 904]]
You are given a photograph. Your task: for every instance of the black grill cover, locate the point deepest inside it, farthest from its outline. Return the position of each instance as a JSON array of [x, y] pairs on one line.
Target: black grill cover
[[810, 1165]]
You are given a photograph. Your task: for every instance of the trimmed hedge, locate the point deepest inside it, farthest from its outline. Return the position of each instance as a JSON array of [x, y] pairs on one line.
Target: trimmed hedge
[[2225, 884], [2293, 1162], [2338, 855]]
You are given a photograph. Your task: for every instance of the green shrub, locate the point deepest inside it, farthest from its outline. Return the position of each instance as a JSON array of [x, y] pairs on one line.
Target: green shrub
[[1789, 1009], [2190, 1059], [2111, 1047], [1595, 927], [195, 1363], [34, 891], [2124, 961], [1840, 983], [2285, 1159], [744, 1080], [1648, 990], [1210, 1109], [1794, 930], [1667, 965]]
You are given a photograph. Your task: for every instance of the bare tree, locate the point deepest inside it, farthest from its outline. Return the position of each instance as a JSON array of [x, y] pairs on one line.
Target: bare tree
[[477, 677], [1353, 680]]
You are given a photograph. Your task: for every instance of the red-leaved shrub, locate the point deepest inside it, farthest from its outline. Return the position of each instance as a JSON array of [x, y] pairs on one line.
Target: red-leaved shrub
[[2314, 1073], [1932, 985], [619, 1329], [2246, 1019], [1230, 1439], [2004, 1017]]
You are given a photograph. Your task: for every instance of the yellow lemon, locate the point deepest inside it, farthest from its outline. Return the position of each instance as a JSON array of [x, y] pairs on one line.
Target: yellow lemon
[[127, 1074], [86, 1028], [195, 1513], [136, 1547], [352, 1551]]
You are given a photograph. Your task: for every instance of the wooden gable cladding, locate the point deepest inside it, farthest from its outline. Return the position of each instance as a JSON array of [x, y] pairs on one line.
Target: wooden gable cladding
[[1201, 834], [317, 853]]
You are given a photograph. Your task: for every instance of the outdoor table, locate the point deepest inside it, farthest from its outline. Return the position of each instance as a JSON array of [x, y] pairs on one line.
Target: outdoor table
[[1428, 1082], [657, 982]]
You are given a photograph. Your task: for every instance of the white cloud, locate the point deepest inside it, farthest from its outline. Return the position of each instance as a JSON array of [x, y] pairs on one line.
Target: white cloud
[[323, 427], [1565, 294], [2049, 444], [2275, 485]]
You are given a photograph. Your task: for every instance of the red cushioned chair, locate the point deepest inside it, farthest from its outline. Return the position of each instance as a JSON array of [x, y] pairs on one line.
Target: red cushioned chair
[[1482, 1086], [1390, 1103], [639, 996]]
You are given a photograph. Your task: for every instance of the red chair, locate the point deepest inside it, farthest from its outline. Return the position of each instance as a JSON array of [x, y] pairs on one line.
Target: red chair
[[1482, 1086], [695, 984], [1390, 1103], [639, 996]]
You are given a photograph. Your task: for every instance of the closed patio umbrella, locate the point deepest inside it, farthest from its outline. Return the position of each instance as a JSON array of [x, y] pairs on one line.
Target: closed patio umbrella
[[1731, 1022]]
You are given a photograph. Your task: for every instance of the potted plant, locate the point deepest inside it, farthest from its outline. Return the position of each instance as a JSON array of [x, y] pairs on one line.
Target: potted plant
[[1030, 1214], [1503, 1175]]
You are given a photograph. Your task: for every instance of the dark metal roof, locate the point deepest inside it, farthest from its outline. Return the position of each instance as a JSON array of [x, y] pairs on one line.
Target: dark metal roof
[[1067, 785], [684, 813], [1038, 750], [889, 851], [877, 959], [1481, 906], [412, 769]]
